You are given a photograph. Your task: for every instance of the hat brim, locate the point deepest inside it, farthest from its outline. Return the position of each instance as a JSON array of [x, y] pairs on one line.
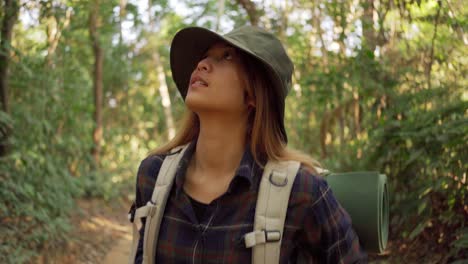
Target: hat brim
[[188, 47]]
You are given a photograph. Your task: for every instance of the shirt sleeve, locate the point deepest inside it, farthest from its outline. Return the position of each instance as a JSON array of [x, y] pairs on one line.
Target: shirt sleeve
[[146, 178], [329, 226], [139, 253]]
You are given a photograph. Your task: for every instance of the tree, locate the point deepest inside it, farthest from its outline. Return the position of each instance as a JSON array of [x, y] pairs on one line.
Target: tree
[[94, 23], [251, 10], [162, 86], [220, 13], [54, 32], [10, 16], [11, 9]]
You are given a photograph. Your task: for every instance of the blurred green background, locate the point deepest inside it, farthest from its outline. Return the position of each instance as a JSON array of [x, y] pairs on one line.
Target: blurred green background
[[87, 91]]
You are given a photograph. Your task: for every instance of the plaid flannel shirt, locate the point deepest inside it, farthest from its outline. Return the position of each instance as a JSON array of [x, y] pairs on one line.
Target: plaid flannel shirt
[[316, 225]]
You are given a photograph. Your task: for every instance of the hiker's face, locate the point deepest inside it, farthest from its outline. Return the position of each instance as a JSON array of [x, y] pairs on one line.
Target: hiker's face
[[218, 83]]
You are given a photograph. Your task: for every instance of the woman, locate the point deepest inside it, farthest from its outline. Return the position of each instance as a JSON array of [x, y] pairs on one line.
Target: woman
[[234, 88]]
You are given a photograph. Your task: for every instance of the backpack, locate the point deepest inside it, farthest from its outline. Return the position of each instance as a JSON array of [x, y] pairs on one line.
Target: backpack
[[270, 213]]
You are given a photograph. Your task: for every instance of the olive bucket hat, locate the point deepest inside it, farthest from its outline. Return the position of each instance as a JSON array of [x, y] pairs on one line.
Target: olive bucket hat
[[190, 44]]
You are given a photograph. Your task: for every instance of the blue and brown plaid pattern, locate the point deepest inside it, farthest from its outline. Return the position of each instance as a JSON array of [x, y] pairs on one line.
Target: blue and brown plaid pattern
[[316, 226]]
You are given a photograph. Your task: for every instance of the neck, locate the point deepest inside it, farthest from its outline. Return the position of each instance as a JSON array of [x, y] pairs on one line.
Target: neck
[[220, 144]]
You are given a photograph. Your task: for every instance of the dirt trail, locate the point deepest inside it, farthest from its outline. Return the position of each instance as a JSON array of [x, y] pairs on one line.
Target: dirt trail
[[120, 252], [102, 234], [104, 229], [121, 233]]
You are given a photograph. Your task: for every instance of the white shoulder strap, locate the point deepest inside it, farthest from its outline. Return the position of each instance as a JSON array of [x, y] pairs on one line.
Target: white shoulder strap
[[134, 218], [270, 213], [154, 209]]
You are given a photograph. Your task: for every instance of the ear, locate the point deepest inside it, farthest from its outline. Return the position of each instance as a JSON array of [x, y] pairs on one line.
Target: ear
[[250, 103], [249, 100]]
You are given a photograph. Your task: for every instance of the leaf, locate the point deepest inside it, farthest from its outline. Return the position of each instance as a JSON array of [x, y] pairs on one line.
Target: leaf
[[462, 242], [419, 228], [460, 261], [422, 206], [414, 156]]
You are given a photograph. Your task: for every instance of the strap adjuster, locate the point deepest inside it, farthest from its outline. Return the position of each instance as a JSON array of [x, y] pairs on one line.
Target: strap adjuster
[[151, 208], [272, 235], [261, 237], [278, 178]]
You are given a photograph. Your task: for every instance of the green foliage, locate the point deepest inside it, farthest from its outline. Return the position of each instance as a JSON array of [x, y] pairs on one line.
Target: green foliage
[[461, 243], [388, 96], [426, 163], [6, 125], [37, 186]]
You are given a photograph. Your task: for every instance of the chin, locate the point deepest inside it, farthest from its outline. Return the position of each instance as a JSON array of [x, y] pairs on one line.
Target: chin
[[197, 104]]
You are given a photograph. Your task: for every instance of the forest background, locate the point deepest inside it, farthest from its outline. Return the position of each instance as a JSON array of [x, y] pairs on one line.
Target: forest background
[[87, 92]]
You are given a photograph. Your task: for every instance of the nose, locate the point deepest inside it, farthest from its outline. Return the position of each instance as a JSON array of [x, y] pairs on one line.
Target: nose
[[204, 65]]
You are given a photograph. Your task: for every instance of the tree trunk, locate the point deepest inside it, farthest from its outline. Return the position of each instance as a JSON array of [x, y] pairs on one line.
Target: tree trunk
[[54, 32], [9, 19], [357, 115], [163, 90], [220, 13], [341, 127], [368, 32], [251, 10], [122, 12], [317, 20], [94, 23], [166, 99], [430, 60], [343, 25], [125, 105]]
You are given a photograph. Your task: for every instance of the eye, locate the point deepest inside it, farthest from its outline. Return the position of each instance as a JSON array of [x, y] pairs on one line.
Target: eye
[[227, 55]]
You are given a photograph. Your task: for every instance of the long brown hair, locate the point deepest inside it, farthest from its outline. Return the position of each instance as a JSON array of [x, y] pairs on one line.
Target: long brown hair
[[264, 133]]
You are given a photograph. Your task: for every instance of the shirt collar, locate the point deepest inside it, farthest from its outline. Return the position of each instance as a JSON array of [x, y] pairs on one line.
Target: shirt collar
[[245, 173], [242, 180], [182, 167]]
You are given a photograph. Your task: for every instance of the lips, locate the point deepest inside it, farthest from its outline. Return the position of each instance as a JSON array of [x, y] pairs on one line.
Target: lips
[[198, 81]]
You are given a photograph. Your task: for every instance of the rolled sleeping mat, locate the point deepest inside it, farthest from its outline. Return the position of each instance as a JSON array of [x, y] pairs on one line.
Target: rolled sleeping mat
[[364, 196]]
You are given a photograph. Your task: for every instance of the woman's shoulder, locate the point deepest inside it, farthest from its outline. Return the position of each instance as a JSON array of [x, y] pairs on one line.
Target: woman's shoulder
[[148, 170], [150, 165], [146, 177], [309, 185]]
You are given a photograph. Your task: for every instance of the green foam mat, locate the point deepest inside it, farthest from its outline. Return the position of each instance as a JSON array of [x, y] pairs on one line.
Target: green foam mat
[[364, 195]]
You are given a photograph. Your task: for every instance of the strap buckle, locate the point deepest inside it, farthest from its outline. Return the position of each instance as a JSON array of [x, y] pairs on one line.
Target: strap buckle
[[131, 212], [261, 237], [272, 235], [151, 208]]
